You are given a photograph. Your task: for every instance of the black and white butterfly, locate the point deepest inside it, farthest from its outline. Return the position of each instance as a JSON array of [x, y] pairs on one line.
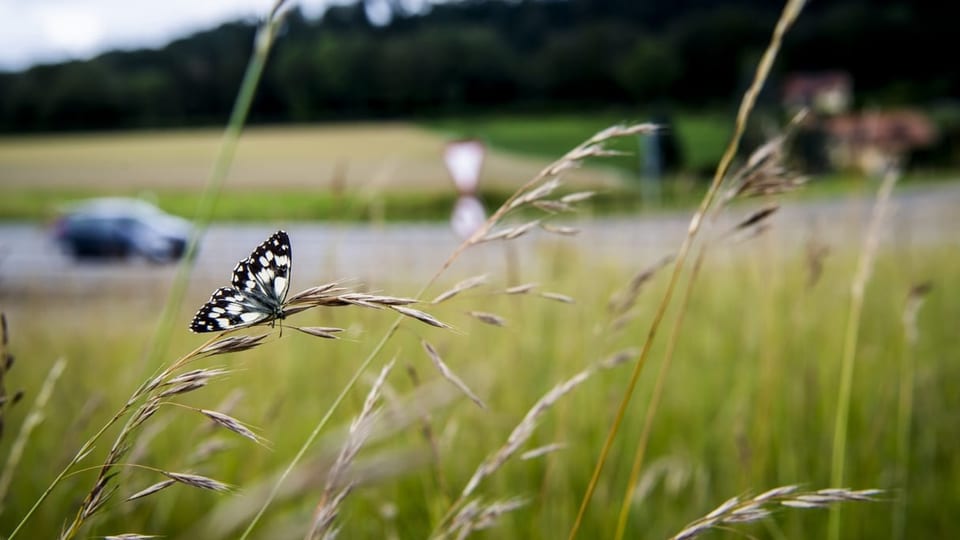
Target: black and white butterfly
[[260, 285]]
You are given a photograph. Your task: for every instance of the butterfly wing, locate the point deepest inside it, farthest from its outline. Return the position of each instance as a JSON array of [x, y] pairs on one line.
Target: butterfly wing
[[228, 308], [260, 285], [265, 274]]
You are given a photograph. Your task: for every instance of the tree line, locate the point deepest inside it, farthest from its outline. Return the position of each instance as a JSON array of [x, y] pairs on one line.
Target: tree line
[[483, 55]]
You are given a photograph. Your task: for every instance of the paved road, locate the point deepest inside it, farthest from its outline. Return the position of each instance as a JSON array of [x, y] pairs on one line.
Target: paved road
[[29, 261]]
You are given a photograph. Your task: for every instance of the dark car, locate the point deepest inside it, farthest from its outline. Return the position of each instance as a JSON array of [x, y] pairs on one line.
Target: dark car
[[119, 227]]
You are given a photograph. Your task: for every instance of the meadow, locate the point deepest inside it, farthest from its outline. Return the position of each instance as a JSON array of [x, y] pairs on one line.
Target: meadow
[[353, 171], [770, 377], [748, 403], [345, 171]]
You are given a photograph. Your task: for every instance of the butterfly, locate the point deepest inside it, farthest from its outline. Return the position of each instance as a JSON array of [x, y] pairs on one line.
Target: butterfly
[[260, 284]]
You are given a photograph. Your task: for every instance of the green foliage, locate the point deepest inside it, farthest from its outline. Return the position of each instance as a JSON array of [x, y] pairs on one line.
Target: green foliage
[[462, 57]]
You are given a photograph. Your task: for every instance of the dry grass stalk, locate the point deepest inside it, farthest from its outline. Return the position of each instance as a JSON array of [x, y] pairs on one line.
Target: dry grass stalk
[[467, 284], [542, 451], [738, 510], [619, 357], [420, 316], [187, 382], [553, 207], [233, 514], [521, 289], [565, 204], [560, 229], [475, 517], [322, 527], [30, 422], [336, 490], [915, 299], [758, 217], [621, 301], [197, 481], [557, 297], [542, 185], [326, 289], [336, 297], [231, 424], [449, 375], [511, 233], [233, 344], [911, 333], [816, 252], [634, 478], [488, 318], [144, 443], [589, 148], [140, 407], [130, 536], [577, 197], [765, 172], [543, 190], [524, 430], [6, 362], [428, 434], [150, 490], [326, 332], [851, 333], [788, 16]]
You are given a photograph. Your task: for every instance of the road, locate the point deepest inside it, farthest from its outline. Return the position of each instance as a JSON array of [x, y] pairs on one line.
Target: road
[[410, 253]]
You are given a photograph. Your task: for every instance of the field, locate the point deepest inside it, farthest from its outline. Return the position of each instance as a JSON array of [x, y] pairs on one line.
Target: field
[[750, 393], [356, 172], [748, 403], [789, 372], [337, 171], [810, 351]]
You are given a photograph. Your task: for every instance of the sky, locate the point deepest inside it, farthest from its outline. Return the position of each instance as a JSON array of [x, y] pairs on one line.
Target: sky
[[43, 31]]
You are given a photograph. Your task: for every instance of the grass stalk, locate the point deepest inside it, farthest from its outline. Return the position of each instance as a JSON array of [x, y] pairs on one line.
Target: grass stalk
[[905, 405], [790, 13], [655, 397], [88, 446], [214, 185], [298, 457], [851, 334], [32, 420], [589, 148]]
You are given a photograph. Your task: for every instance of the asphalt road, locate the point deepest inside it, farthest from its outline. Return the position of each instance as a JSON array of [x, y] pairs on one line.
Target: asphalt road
[[410, 253]]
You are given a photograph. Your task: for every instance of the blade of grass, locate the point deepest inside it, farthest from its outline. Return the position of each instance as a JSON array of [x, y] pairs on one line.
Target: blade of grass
[[655, 397], [851, 334], [790, 13], [264, 40], [31, 421], [585, 149]]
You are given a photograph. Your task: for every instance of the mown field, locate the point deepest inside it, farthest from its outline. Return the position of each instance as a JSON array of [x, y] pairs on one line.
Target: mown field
[[356, 172], [749, 402]]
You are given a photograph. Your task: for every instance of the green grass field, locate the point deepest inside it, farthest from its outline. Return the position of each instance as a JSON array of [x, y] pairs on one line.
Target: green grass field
[[748, 405], [700, 135], [308, 171], [349, 172], [354, 172]]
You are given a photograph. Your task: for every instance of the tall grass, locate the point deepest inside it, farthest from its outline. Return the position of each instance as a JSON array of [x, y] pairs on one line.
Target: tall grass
[[726, 424], [499, 432]]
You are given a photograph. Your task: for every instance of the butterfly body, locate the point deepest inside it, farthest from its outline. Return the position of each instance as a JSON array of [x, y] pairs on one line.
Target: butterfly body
[[260, 284]]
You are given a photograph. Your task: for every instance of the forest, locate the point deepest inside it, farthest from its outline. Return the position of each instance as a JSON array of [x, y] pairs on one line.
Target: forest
[[479, 56]]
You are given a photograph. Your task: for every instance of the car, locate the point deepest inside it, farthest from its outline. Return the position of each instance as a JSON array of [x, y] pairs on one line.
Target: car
[[117, 227]]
